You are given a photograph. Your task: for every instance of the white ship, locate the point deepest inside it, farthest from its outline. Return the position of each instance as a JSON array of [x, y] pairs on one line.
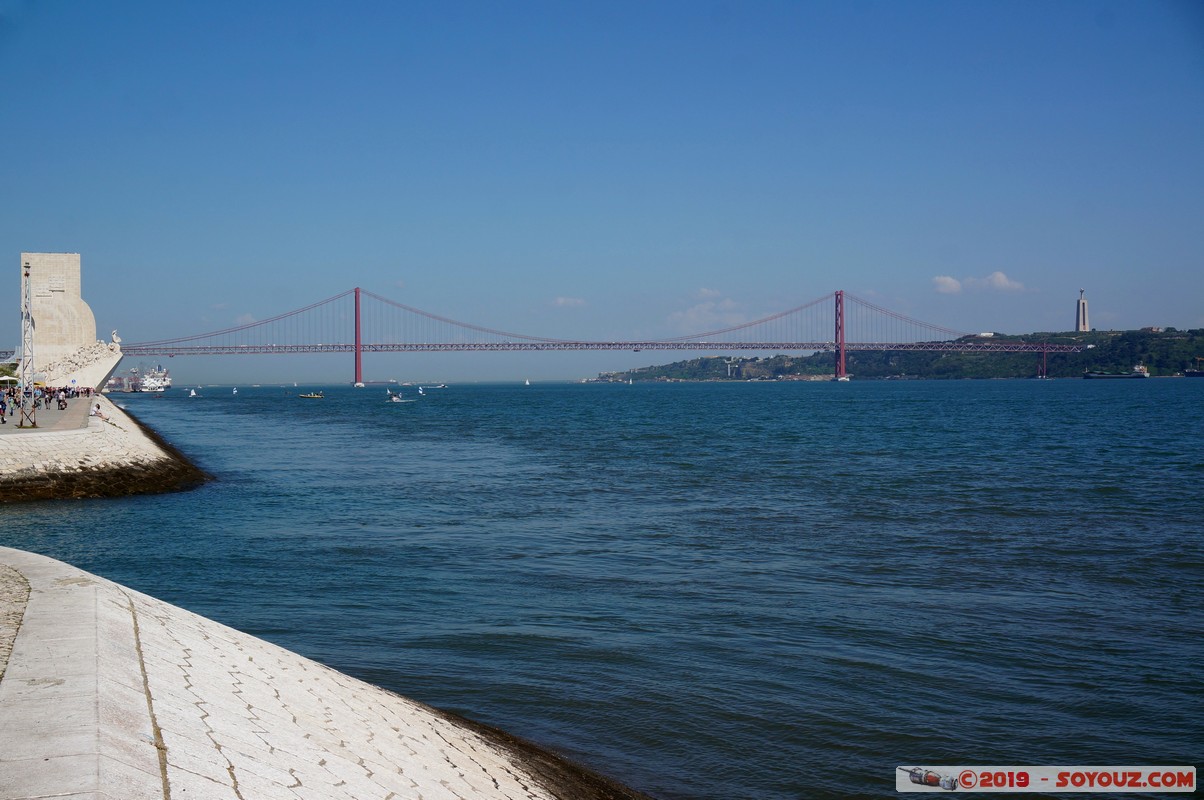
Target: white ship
[[155, 379]]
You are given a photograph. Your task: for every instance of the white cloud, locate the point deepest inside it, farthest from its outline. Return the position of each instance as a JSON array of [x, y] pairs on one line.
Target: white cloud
[[244, 319], [705, 294], [946, 285], [400, 284], [568, 302], [996, 281]]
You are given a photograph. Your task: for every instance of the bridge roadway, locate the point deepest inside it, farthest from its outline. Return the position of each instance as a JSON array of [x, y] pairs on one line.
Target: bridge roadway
[[427, 347]]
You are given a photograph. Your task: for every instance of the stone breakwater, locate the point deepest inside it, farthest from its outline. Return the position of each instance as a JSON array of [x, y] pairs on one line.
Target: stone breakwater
[[107, 692], [72, 455]]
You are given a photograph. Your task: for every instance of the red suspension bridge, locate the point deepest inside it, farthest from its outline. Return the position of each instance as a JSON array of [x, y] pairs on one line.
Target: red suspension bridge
[[358, 321]]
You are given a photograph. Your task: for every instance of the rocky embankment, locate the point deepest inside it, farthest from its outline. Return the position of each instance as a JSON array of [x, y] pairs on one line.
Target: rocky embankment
[[72, 455]]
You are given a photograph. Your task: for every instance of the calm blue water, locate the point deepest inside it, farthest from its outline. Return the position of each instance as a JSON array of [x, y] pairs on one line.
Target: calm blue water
[[708, 591]]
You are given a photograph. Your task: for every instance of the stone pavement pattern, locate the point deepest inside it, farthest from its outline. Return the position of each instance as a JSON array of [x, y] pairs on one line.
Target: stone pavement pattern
[[110, 693]]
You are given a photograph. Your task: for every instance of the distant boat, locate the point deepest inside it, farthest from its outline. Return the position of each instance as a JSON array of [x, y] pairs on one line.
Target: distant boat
[[1138, 371], [527, 382], [235, 390], [420, 390], [192, 393], [358, 384], [311, 396]]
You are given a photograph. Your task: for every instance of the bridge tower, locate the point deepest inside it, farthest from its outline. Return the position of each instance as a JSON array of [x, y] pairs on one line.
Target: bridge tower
[[359, 346], [839, 341]]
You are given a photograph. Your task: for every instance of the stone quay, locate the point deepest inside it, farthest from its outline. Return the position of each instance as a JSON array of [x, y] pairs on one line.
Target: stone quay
[[108, 693], [72, 454]]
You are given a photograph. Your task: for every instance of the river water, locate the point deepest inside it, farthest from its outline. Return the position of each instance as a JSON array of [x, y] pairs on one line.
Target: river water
[[737, 590]]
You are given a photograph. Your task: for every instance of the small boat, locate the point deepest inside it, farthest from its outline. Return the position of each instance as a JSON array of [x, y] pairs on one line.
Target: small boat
[[1138, 371], [527, 382], [311, 395], [235, 390], [420, 390], [192, 393]]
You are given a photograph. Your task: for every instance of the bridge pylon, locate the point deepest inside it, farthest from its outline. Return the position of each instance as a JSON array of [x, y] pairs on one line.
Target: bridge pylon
[[839, 340], [359, 343]]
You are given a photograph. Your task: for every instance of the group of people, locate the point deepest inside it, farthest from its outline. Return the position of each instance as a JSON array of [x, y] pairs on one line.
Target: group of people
[[42, 397]]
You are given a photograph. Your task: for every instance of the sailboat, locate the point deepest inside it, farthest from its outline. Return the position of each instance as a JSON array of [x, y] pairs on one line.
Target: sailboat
[[527, 382], [192, 393], [235, 390]]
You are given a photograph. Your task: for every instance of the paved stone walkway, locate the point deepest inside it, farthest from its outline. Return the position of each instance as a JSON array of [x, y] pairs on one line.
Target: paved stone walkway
[[14, 592], [110, 693], [51, 419]]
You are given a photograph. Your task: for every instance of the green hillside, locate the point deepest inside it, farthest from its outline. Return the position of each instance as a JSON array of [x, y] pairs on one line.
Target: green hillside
[[1165, 353]]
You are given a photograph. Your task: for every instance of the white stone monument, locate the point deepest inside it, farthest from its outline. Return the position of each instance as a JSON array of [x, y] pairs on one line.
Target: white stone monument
[[66, 351]]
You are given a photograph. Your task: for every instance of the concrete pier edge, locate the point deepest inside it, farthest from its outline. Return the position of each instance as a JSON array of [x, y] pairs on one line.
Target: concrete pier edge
[[106, 692], [77, 456]]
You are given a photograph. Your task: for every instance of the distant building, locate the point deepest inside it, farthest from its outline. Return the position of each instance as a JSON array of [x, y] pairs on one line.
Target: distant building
[[1080, 314]]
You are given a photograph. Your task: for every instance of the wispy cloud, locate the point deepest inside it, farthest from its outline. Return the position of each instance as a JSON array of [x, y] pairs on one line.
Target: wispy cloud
[[568, 302], [946, 285], [707, 315], [400, 284], [244, 319], [995, 282]]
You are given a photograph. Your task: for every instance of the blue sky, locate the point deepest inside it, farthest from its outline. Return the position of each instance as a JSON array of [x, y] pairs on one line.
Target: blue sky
[[605, 170]]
